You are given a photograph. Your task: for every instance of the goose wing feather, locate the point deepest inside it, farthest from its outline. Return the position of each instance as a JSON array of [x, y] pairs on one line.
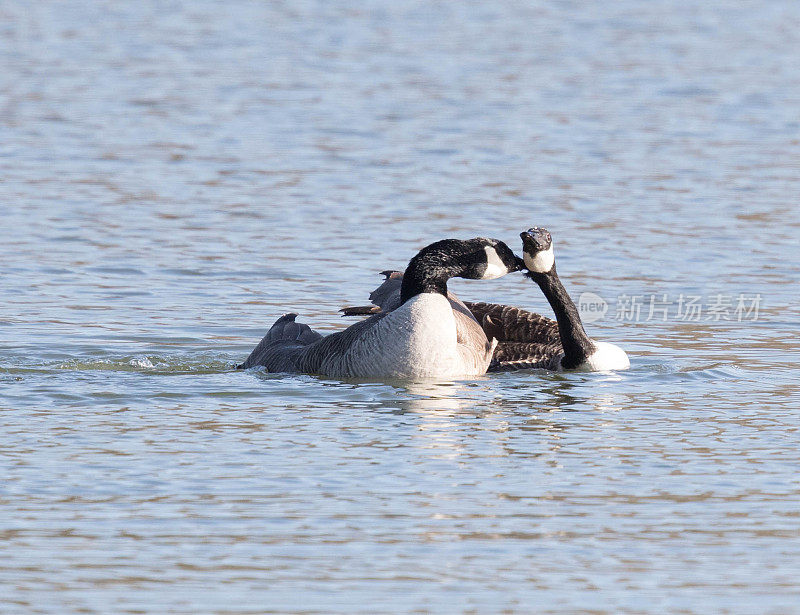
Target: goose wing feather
[[387, 295], [475, 347], [515, 325], [385, 298], [512, 356]]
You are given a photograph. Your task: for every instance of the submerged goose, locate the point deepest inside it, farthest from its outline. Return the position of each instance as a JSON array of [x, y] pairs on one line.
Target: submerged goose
[[526, 340], [424, 334]]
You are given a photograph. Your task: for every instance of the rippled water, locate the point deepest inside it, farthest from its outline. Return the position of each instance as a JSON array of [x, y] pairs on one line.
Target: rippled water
[[174, 176]]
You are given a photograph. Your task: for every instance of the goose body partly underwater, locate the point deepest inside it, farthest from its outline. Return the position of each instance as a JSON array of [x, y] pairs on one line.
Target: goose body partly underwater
[[424, 334], [526, 340]]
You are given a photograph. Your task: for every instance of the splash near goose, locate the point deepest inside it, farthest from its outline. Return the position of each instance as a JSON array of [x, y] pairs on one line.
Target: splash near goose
[[423, 334], [525, 340]]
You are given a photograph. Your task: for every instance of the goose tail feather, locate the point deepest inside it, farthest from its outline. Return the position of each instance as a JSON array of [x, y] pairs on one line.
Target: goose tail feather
[[286, 329], [281, 343]]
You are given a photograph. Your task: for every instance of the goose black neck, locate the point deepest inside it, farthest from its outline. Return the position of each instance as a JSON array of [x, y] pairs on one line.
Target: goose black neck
[[428, 272], [576, 344]]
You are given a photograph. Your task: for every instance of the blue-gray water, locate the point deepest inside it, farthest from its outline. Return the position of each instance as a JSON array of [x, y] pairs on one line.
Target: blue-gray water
[[176, 175]]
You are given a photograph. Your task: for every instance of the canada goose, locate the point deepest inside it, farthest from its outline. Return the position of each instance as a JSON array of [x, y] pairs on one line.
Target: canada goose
[[424, 335], [526, 340], [578, 350]]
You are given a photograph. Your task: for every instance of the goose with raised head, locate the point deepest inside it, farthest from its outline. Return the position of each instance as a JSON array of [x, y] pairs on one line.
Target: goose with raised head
[[579, 351], [526, 340], [423, 335]]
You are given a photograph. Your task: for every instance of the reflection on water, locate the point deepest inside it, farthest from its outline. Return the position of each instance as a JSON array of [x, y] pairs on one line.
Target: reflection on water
[[434, 399], [177, 176]]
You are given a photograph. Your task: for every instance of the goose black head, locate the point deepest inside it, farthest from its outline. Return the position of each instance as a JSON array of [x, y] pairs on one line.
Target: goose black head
[[488, 259], [475, 259], [537, 248]]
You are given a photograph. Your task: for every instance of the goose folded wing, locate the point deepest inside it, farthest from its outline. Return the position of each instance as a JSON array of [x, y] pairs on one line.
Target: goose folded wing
[[511, 324], [513, 356], [385, 298]]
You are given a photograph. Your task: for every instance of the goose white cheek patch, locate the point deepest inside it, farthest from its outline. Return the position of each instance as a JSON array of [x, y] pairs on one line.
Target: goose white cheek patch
[[542, 262], [495, 267]]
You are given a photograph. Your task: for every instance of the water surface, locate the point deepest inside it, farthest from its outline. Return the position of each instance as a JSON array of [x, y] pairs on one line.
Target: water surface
[[177, 175]]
